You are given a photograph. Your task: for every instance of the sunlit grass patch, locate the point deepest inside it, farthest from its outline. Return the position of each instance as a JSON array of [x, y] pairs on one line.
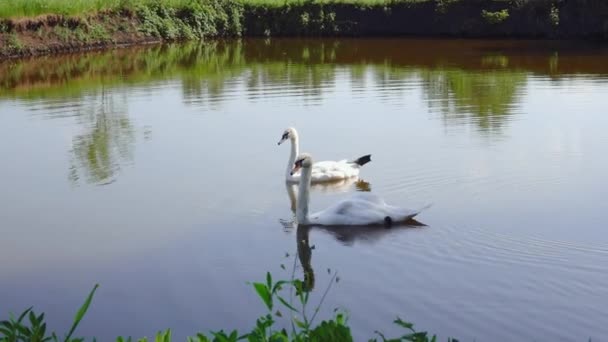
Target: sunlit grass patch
[[29, 8]]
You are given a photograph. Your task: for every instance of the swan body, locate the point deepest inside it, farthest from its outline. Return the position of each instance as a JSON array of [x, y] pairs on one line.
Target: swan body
[[325, 171], [359, 210]]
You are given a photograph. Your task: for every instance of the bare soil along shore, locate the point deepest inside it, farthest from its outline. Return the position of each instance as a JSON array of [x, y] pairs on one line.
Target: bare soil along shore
[[156, 22]]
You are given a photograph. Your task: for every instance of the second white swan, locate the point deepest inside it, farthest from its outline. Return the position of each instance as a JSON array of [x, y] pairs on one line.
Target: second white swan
[[325, 171], [361, 209]]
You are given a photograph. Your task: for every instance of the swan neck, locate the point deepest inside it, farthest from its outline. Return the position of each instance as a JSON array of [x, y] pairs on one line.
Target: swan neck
[[295, 150], [303, 196]]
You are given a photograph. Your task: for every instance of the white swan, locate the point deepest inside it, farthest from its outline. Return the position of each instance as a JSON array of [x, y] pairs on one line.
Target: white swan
[[363, 208], [325, 171]]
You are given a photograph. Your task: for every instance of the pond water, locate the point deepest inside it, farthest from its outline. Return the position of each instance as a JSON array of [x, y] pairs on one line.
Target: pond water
[[155, 172]]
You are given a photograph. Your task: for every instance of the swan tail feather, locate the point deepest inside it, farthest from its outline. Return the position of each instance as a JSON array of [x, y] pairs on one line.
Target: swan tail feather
[[363, 160], [421, 209]]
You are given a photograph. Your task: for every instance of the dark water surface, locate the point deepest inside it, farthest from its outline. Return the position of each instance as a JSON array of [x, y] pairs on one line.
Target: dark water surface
[[154, 171]]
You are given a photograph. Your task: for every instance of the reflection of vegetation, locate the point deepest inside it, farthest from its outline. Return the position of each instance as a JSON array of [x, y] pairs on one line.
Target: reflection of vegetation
[[495, 17], [487, 97], [108, 141], [481, 86]]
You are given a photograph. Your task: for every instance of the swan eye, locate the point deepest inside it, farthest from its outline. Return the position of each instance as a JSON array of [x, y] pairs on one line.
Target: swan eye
[[299, 162], [285, 135]]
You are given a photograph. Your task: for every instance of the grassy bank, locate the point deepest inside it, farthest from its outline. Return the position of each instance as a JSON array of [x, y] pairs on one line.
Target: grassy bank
[[32, 8], [119, 22], [31, 27]]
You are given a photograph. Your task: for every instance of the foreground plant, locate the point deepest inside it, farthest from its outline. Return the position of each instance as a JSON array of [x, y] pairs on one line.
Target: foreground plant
[[272, 294], [14, 330]]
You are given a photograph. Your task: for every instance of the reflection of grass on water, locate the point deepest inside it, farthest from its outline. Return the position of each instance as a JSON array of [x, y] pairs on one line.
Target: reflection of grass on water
[[76, 74], [485, 98], [109, 139], [207, 72]]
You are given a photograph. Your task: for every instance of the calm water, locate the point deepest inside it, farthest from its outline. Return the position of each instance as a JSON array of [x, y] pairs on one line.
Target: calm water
[[155, 172]]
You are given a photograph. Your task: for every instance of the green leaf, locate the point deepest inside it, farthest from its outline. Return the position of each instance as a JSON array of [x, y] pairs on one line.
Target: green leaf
[[300, 324], [40, 318], [43, 330], [5, 332], [279, 336], [22, 316], [220, 336], [202, 338], [23, 330], [284, 302], [81, 312], [269, 280], [340, 319], [7, 324], [262, 291], [32, 319], [406, 325], [278, 285], [330, 331], [163, 336]]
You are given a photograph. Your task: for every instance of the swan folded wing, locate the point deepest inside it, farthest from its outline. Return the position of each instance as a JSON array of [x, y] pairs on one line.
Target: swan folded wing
[[360, 209], [333, 170]]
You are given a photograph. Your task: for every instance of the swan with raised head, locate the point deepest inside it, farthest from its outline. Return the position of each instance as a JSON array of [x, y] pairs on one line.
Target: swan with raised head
[[361, 209], [325, 171]]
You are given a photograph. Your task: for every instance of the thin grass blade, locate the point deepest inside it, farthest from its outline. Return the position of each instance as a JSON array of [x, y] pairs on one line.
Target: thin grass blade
[[81, 312]]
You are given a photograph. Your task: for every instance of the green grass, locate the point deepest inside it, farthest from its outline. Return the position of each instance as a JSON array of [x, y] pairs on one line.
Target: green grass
[[30, 8]]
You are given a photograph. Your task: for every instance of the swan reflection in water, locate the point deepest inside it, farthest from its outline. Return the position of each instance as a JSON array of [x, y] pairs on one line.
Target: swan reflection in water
[[347, 235]]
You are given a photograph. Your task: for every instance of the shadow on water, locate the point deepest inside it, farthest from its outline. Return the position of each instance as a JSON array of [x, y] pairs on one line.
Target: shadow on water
[[475, 83]]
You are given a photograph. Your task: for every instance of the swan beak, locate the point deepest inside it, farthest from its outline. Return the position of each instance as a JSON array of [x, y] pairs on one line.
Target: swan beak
[[295, 169], [284, 137]]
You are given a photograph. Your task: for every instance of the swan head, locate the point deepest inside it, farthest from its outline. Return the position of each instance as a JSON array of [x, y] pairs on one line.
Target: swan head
[[289, 133], [304, 160]]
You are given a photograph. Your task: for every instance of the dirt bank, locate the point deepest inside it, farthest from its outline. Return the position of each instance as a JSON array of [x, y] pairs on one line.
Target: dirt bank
[[546, 19]]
